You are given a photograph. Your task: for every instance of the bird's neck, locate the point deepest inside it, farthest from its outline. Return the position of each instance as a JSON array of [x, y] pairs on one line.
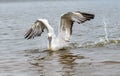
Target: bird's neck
[[50, 46], [50, 42]]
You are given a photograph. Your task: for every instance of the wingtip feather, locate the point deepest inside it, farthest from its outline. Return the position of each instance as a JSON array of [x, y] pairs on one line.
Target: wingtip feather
[[88, 15]]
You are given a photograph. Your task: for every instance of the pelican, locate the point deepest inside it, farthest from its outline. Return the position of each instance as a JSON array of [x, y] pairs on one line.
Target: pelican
[[65, 30]]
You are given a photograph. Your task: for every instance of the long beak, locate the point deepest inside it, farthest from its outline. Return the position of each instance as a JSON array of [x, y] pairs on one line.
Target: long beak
[[50, 44]]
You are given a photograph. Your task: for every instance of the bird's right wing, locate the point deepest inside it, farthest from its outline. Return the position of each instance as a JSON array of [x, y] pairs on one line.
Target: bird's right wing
[[36, 29], [68, 19]]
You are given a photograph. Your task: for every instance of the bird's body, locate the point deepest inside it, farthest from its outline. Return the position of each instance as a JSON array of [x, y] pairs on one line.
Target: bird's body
[[65, 31]]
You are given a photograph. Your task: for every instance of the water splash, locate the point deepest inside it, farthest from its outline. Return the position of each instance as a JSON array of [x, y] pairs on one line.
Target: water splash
[[102, 41], [105, 29], [105, 40]]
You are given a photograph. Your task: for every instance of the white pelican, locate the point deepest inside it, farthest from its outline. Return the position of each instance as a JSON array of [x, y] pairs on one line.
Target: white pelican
[[65, 31]]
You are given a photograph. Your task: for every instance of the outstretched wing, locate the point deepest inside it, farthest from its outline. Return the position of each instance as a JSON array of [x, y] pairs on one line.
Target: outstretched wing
[[87, 16], [36, 29], [69, 18]]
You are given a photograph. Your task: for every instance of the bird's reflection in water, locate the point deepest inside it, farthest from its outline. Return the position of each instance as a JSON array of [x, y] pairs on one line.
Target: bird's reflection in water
[[54, 63], [67, 60]]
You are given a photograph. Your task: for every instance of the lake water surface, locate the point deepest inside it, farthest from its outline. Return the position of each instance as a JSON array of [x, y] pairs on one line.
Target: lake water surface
[[94, 49]]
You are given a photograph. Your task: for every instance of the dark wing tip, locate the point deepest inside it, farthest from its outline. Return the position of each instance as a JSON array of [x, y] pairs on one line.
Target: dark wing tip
[[29, 34], [88, 16]]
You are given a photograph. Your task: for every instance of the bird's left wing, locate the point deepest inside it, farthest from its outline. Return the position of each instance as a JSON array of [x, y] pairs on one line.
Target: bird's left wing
[[36, 29]]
